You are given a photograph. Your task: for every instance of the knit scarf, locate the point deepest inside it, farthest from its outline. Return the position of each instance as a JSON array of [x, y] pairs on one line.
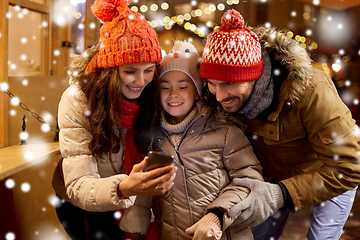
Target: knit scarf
[[176, 130], [132, 155], [263, 91]]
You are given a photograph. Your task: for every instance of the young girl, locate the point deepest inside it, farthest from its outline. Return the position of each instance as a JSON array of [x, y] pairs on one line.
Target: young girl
[[208, 152], [101, 117]]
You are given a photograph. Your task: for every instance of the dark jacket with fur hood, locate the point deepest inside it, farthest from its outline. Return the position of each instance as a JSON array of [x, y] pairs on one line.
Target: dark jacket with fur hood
[[307, 139]]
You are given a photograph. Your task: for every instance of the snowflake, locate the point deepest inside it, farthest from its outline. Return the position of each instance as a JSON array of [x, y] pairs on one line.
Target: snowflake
[[10, 236], [23, 40], [10, 183], [277, 72], [15, 101], [24, 136], [117, 214], [87, 113], [28, 155], [25, 187], [12, 112], [45, 127], [277, 215], [4, 86]]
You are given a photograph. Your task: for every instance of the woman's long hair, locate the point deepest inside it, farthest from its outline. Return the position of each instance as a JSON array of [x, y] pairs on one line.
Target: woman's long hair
[[103, 92]]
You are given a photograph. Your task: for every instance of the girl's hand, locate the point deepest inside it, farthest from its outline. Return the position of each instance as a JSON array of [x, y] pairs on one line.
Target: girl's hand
[[152, 183]]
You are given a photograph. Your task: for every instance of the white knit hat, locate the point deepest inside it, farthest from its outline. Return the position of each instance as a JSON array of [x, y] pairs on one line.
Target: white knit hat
[[185, 58]]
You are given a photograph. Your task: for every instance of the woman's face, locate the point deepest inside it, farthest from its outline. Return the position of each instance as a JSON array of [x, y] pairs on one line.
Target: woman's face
[[134, 78], [178, 94]]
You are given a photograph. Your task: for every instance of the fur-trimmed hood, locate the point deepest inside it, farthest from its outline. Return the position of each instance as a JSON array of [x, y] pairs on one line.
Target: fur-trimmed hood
[[291, 55]]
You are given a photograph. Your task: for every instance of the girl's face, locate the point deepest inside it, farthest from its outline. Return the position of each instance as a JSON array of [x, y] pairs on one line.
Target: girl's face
[[134, 78], [178, 94]]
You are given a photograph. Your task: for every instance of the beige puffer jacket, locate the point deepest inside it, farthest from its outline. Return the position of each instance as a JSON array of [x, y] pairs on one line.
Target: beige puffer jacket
[[211, 154], [90, 184]]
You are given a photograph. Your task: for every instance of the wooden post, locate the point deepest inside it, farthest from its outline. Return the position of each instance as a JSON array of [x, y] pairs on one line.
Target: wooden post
[[4, 8]]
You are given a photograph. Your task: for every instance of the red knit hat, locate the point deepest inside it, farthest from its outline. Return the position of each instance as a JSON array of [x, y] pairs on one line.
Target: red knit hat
[[126, 37], [232, 52]]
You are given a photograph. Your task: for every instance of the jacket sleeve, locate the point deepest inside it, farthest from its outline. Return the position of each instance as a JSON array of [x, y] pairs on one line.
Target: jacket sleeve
[[84, 185], [240, 161], [335, 138], [136, 219]]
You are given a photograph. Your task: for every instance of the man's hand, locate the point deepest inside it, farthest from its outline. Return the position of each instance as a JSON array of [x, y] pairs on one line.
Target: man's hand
[[262, 202], [207, 228]]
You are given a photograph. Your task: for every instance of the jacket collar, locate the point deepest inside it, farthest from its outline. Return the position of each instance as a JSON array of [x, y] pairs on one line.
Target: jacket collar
[[295, 59]]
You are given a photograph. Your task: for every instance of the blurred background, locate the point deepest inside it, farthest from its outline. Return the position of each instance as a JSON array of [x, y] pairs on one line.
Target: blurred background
[[40, 38]]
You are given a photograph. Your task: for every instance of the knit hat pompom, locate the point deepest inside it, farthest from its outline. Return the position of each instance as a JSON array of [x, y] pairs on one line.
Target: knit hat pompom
[[106, 10], [125, 37], [183, 46], [232, 52], [232, 19], [183, 57]]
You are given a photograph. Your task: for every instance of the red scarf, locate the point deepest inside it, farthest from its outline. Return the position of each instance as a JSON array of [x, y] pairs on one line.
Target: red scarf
[[132, 155]]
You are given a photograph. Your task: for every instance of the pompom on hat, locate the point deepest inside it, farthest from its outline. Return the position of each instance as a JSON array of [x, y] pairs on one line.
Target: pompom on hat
[[232, 52], [126, 37], [183, 57]]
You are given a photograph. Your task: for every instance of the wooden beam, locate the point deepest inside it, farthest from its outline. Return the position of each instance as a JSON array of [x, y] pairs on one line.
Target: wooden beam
[[4, 8], [37, 7], [91, 34]]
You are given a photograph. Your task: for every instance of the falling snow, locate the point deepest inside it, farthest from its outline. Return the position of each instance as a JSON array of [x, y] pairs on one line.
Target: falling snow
[[60, 18], [10, 183], [25, 187], [10, 236]]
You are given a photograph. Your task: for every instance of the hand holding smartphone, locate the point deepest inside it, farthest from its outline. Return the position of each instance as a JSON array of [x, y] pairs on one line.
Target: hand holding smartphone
[[158, 159]]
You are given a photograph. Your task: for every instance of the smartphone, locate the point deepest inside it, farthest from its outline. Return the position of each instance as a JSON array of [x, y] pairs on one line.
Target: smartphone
[[158, 159]]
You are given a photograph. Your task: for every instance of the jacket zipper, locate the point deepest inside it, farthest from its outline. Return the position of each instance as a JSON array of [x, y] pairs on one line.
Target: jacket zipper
[[182, 163], [228, 235]]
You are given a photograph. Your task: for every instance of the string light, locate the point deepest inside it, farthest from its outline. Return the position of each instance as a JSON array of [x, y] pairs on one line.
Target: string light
[[183, 20]]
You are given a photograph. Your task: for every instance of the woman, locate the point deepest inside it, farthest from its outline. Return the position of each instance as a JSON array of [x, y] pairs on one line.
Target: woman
[[100, 126]]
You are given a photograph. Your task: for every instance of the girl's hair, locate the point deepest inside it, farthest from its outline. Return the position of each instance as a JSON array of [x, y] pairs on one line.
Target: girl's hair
[[103, 92]]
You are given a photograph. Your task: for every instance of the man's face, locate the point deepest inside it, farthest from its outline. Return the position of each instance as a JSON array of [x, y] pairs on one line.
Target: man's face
[[232, 95]]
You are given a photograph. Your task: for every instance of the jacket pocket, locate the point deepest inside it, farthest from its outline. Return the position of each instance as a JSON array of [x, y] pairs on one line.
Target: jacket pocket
[[335, 132], [288, 134]]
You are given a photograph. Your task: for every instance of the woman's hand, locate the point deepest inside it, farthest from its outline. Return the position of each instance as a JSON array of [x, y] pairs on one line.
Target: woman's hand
[[152, 183]]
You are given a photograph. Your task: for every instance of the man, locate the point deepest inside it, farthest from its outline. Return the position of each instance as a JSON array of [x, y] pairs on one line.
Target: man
[[301, 131]]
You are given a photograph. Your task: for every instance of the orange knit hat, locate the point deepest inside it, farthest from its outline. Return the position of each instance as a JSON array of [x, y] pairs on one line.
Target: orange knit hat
[[126, 37]]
